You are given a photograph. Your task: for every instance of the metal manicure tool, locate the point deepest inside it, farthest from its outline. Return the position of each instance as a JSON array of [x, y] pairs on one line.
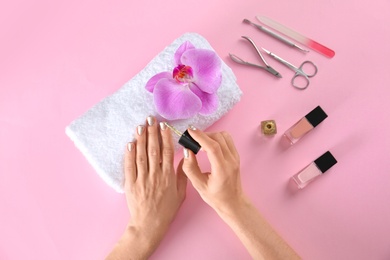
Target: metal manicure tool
[[267, 67], [275, 35], [296, 36], [299, 71]]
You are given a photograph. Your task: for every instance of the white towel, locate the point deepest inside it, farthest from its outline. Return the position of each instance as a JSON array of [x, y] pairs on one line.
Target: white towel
[[102, 132]]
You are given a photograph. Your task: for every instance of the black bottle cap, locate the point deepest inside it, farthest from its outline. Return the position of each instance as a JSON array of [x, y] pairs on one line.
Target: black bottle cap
[[188, 142], [325, 162], [316, 116]]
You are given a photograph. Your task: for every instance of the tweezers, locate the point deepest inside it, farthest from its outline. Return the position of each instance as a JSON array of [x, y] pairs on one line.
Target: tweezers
[[267, 67]]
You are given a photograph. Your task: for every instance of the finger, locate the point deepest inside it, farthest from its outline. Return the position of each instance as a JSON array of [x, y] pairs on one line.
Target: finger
[[210, 146], [167, 148], [130, 167], [181, 180], [153, 146], [229, 142], [218, 137], [191, 169], [140, 152]]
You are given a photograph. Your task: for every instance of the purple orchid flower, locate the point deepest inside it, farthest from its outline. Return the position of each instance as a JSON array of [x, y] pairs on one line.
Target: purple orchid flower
[[191, 87]]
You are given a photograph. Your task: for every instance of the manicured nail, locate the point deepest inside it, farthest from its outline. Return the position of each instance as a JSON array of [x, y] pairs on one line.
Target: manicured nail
[[140, 129], [192, 127], [130, 146], [162, 126], [150, 120], [186, 153]]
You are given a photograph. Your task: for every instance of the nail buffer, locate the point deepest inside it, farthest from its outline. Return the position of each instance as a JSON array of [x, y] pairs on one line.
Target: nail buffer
[[296, 36]]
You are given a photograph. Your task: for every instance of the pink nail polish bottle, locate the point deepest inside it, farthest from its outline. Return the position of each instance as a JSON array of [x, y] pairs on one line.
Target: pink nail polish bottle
[[305, 125], [314, 169]]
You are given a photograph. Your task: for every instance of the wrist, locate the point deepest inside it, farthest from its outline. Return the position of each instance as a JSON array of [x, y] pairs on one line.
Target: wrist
[[232, 207], [149, 232], [146, 240], [149, 224], [137, 242]]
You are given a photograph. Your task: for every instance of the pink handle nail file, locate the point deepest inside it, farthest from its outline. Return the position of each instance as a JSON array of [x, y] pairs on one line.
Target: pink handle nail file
[[296, 36]]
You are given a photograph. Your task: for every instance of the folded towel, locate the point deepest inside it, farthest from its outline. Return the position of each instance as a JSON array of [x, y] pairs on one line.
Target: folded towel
[[102, 132]]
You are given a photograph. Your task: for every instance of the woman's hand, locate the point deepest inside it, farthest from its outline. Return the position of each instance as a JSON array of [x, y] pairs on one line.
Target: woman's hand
[[153, 191], [220, 188]]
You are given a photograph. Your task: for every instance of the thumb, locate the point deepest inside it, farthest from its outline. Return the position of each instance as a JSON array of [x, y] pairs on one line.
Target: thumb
[[192, 170]]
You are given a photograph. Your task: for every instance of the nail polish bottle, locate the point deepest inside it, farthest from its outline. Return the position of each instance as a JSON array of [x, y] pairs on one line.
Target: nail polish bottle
[[314, 169], [305, 125], [186, 139]]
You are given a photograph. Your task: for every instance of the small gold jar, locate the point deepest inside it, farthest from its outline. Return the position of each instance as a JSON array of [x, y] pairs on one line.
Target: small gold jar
[[268, 127]]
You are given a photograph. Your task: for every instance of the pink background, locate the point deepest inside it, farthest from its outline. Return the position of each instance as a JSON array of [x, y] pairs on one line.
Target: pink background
[[58, 58]]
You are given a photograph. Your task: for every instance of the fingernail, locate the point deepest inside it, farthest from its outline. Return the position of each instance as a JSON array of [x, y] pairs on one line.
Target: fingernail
[[186, 153], [130, 146], [150, 120], [192, 127], [162, 126], [140, 129]]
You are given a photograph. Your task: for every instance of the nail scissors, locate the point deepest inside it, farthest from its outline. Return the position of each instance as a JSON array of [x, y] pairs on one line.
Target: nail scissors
[[267, 67], [299, 72]]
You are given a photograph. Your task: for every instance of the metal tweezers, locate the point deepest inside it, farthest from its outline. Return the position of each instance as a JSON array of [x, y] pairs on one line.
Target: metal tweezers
[[267, 67]]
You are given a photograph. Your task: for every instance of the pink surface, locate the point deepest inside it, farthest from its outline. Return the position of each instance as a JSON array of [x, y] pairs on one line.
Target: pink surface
[[59, 58]]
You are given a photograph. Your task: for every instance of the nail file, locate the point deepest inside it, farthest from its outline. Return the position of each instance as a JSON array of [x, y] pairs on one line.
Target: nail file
[[296, 36]]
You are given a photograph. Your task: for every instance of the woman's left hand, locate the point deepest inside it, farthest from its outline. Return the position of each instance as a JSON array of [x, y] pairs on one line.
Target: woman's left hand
[[154, 192]]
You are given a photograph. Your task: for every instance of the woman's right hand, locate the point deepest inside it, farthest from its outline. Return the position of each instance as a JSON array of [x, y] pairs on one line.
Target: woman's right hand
[[220, 188]]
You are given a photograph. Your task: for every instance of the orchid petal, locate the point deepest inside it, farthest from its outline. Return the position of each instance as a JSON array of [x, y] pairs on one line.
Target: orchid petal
[[175, 101], [183, 48], [155, 79], [206, 67], [209, 101]]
